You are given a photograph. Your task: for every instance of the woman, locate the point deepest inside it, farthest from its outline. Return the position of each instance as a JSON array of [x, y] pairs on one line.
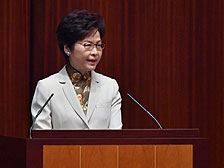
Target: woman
[[83, 99]]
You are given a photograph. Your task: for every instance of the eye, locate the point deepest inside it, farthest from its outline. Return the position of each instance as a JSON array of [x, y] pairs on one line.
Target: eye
[[99, 46], [87, 45]]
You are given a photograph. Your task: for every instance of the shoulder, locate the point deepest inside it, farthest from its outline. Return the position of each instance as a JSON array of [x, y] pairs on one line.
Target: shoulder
[[102, 78], [52, 83], [49, 80], [106, 83], [54, 78]]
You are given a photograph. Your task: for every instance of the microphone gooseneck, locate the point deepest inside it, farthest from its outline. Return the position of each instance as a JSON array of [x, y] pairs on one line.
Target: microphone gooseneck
[[38, 113], [145, 111]]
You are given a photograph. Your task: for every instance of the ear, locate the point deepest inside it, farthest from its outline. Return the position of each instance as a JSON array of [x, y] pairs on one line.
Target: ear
[[66, 49]]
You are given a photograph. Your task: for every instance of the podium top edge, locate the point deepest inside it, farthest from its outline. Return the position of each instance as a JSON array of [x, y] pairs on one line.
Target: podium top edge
[[111, 133]]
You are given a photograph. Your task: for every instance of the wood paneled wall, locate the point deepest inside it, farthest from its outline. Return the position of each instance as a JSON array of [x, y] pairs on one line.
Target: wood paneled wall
[[167, 54], [14, 67]]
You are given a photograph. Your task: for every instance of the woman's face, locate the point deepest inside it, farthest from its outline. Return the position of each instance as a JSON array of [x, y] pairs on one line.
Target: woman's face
[[84, 59]]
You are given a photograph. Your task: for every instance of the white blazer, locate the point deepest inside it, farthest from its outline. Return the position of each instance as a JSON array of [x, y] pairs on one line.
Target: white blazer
[[64, 111]]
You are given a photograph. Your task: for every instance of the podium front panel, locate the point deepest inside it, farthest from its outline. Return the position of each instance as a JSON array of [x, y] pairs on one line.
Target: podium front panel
[[118, 156]]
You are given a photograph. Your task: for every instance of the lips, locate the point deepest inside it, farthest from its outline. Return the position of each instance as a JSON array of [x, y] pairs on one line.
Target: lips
[[92, 61]]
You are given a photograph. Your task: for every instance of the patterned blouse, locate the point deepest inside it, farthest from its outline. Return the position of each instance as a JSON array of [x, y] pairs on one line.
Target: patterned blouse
[[81, 85]]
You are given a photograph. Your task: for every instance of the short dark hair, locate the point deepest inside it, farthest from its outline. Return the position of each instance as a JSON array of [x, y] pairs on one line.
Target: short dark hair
[[76, 26]]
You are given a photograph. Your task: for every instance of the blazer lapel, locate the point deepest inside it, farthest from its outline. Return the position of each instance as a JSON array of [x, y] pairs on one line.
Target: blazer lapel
[[70, 94], [93, 96]]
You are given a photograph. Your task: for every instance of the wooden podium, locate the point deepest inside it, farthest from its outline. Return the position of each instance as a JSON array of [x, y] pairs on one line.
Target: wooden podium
[[166, 148]]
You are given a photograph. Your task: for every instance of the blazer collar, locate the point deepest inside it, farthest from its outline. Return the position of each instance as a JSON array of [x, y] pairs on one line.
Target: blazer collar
[[93, 95], [71, 95]]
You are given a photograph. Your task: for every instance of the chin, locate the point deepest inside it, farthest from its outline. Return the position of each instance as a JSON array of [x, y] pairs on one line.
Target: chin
[[91, 68]]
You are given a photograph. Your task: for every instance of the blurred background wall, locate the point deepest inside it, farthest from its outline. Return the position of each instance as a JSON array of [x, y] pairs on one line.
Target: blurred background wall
[[168, 54]]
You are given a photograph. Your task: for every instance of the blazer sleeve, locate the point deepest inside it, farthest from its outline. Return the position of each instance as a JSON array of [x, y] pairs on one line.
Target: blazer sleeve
[[41, 95], [116, 119]]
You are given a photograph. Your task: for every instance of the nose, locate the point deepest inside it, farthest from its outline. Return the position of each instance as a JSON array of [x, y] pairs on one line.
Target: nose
[[94, 51]]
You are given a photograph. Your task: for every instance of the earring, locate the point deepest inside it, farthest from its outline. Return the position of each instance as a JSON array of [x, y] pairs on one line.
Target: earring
[[68, 53]]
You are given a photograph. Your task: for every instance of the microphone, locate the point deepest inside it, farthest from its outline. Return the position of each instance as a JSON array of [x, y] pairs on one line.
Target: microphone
[[145, 111], [38, 113]]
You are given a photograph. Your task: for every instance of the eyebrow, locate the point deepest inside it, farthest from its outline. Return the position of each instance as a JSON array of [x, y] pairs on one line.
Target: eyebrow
[[92, 42]]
